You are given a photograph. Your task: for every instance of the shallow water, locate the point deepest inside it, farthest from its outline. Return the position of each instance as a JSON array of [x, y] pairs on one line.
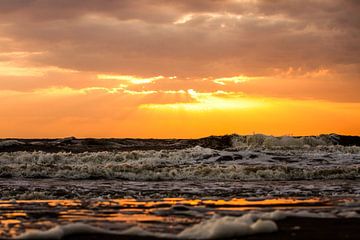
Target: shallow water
[[169, 215], [34, 204]]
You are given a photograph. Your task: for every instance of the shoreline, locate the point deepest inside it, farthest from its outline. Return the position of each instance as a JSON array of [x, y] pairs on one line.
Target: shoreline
[[289, 228]]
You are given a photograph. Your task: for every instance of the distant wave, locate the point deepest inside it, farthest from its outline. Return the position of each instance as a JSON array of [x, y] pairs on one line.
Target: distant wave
[[197, 163], [255, 141], [284, 142]]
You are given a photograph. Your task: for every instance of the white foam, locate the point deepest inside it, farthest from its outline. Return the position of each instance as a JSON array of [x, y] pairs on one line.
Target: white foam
[[59, 232], [307, 214], [215, 228], [266, 142], [187, 164], [8, 143], [263, 226], [280, 214], [349, 214], [275, 215], [228, 227]]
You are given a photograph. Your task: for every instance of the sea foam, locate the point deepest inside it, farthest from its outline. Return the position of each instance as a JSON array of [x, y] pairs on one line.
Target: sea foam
[[195, 163], [228, 227], [214, 228], [217, 227]]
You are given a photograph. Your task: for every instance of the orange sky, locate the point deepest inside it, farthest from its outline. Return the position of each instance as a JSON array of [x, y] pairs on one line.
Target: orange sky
[[178, 68]]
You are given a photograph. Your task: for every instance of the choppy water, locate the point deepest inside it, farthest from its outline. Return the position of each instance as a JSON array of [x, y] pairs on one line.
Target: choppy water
[[168, 190], [187, 164], [27, 189]]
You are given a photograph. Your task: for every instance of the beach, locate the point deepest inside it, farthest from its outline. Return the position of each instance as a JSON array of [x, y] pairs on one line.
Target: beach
[[238, 187], [291, 228]]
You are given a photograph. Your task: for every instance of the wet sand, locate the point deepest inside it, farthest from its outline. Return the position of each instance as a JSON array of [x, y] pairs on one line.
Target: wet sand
[[289, 228]]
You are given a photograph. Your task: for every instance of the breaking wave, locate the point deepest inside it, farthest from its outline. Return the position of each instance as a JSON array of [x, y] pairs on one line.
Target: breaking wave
[[290, 142], [255, 141], [197, 163]]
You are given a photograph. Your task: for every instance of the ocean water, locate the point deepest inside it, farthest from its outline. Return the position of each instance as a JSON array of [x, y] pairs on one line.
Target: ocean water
[[176, 188]]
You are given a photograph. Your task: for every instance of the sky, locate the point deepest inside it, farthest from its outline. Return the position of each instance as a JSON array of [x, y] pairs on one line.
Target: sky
[[178, 68]]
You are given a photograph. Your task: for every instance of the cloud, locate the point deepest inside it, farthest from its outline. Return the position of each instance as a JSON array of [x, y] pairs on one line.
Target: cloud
[[226, 41], [235, 79], [209, 101], [128, 37], [130, 79], [104, 68]]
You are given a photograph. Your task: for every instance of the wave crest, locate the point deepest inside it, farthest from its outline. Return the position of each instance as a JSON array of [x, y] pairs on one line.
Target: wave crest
[[187, 164]]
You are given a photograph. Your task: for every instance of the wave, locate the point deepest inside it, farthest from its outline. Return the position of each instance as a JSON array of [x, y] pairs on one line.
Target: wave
[[196, 163], [255, 141]]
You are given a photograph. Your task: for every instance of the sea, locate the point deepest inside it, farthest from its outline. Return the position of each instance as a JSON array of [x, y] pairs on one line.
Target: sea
[[210, 188]]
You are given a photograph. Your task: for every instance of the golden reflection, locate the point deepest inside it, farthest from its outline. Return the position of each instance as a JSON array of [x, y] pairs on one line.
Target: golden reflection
[[14, 214], [246, 202], [13, 221], [52, 203], [133, 203], [9, 222], [9, 227], [5, 205], [113, 217], [67, 203], [130, 203]]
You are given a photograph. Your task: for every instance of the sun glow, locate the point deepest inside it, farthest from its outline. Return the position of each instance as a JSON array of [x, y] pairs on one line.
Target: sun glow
[[7, 69], [235, 79], [131, 79], [218, 100]]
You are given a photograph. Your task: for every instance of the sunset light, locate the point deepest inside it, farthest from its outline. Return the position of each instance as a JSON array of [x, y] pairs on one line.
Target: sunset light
[[136, 66], [180, 119]]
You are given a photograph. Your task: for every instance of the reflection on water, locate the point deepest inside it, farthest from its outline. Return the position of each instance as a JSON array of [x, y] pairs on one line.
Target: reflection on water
[[219, 202], [168, 214]]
